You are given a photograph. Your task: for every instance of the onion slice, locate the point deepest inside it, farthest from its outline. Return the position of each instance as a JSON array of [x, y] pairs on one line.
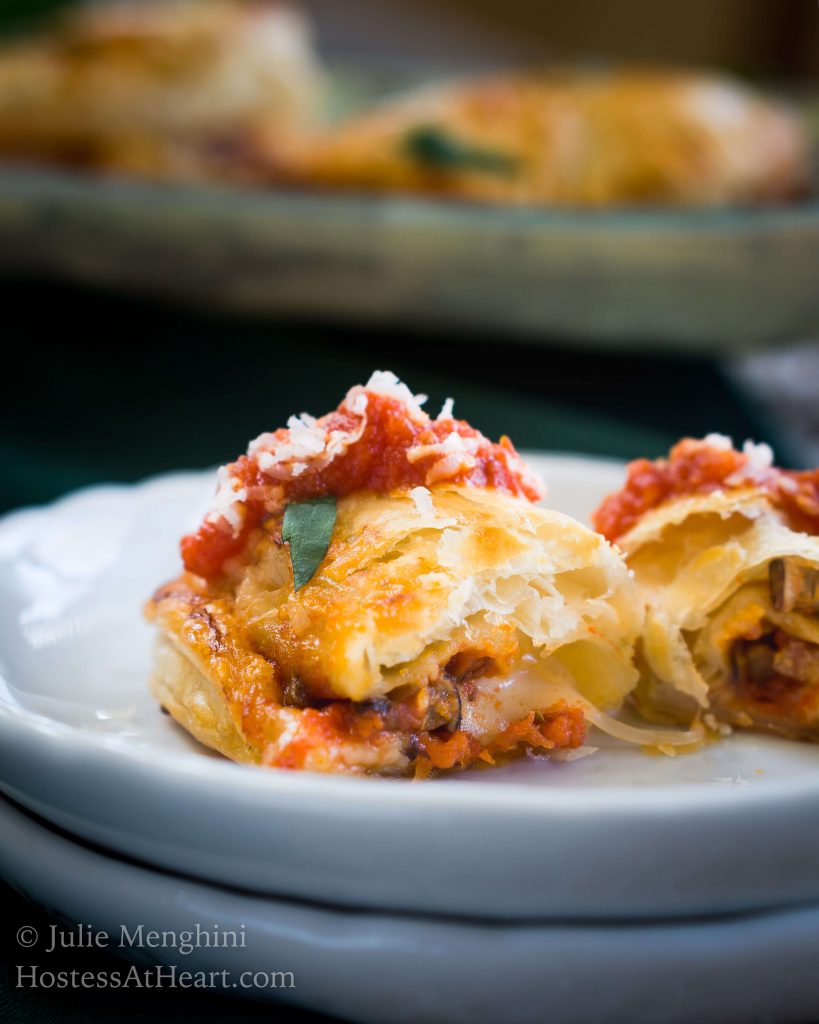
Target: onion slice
[[643, 735]]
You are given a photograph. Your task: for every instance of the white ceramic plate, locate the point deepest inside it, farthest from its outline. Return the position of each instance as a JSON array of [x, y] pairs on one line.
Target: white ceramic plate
[[390, 969], [620, 834]]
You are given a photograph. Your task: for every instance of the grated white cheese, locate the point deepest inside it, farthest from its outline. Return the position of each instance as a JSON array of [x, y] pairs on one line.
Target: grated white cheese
[[449, 467], [452, 444], [384, 382], [355, 402], [226, 502], [446, 410], [306, 439], [455, 455], [308, 444], [422, 500], [721, 441], [760, 460]]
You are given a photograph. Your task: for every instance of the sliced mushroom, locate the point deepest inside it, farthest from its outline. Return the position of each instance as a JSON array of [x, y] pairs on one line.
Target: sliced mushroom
[[759, 662], [752, 661], [294, 694], [443, 706], [466, 666], [793, 586], [432, 707], [799, 661]]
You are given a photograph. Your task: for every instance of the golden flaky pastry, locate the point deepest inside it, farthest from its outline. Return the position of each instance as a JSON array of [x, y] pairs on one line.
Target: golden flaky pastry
[[450, 621], [571, 139], [164, 88], [725, 549]]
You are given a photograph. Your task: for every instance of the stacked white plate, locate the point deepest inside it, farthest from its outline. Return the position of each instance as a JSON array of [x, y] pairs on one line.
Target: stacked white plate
[[617, 887]]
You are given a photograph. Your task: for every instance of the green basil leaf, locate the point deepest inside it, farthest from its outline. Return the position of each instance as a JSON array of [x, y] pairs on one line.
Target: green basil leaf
[[436, 147], [308, 527]]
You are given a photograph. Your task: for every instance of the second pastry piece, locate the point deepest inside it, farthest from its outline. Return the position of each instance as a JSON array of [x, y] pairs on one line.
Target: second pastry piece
[[725, 548]]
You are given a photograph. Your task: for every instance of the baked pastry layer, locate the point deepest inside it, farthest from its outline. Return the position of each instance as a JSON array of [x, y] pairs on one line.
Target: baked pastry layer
[[443, 626], [729, 574], [165, 88]]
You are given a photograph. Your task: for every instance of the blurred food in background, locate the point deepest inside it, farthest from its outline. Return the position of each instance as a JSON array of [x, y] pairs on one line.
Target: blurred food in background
[[179, 89], [572, 138], [627, 203], [214, 89]]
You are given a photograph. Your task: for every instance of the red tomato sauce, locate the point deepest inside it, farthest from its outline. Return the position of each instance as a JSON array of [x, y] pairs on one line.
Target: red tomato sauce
[[377, 462], [697, 467]]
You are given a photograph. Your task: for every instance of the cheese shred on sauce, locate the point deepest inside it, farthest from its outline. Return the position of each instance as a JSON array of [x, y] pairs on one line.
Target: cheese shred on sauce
[[379, 439]]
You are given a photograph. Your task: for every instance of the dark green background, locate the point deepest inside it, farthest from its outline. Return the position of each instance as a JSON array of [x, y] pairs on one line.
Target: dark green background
[[16, 14]]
